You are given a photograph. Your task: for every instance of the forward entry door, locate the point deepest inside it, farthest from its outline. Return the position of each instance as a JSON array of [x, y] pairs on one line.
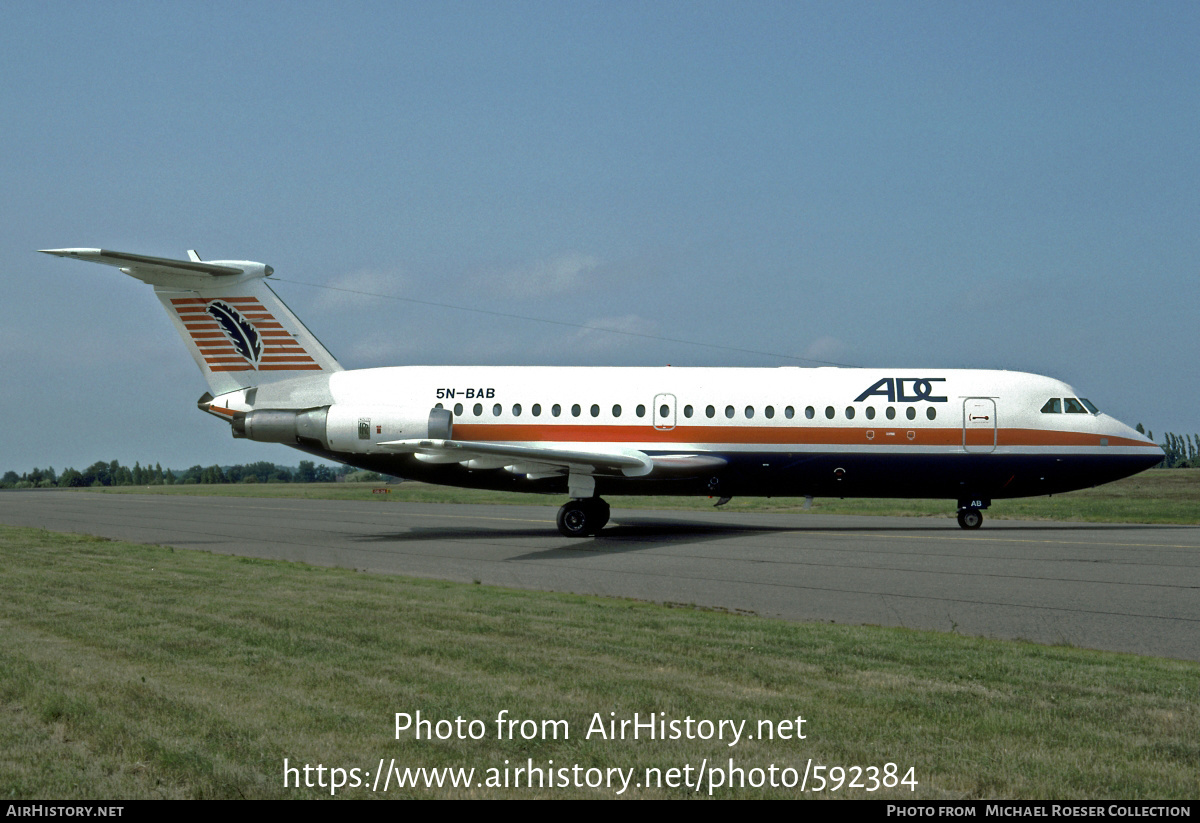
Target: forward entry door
[[979, 424]]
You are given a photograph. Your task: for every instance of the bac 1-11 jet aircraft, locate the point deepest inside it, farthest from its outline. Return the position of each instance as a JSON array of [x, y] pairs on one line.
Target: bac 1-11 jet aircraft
[[965, 435]]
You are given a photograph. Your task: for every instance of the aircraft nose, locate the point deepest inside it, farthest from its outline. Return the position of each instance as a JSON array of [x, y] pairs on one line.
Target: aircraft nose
[[1148, 453]]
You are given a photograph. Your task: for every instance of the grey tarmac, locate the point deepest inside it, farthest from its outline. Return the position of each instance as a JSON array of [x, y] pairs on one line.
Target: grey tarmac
[[1119, 587]]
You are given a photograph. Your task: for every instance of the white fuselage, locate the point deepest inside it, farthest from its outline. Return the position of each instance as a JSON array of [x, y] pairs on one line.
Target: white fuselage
[[824, 431]]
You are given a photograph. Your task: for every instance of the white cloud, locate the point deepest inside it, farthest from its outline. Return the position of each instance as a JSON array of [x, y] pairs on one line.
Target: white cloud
[[606, 333], [826, 349], [560, 274], [358, 289]]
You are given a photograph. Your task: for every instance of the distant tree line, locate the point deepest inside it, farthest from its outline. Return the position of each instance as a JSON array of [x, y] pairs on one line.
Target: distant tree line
[[1182, 451], [114, 474]]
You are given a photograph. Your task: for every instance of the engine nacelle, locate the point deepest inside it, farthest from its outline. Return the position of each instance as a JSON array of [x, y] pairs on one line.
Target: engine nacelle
[[343, 427], [360, 428], [283, 426]]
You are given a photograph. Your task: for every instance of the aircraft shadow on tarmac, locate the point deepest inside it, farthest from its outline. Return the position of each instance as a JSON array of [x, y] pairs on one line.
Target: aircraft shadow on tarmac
[[658, 528], [632, 534], [635, 534], [617, 538]]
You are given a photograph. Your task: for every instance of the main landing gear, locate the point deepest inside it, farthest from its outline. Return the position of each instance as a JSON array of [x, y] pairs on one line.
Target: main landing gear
[[582, 516], [969, 514]]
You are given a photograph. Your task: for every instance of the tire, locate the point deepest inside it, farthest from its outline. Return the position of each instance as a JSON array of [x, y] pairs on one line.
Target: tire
[[970, 518], [576, 519]]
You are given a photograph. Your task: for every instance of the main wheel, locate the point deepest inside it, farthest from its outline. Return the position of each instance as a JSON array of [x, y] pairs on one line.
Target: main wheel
[[970, 518], [577, 519], [582, 516]]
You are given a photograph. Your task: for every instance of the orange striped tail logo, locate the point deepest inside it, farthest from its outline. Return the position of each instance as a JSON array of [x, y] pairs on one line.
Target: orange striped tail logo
[[240, 334]]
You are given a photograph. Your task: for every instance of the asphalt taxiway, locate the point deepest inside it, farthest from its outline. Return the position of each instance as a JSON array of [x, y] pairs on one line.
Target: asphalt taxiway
[[1130, 588]]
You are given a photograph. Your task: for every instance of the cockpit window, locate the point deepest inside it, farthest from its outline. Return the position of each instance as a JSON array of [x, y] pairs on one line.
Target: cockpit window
[[1090, 406], [1073, 406], [1053, 406]]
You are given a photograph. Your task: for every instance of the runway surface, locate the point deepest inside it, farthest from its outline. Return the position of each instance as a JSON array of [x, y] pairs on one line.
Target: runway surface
[[1128, 588]]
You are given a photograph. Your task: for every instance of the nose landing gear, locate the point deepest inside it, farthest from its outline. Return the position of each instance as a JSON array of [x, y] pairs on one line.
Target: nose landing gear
[[970, 515], [970, 518], [582, 517]]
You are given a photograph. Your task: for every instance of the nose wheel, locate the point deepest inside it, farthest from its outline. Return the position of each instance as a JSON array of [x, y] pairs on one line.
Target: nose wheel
[[970, 518], [970, 511], [582, 517]]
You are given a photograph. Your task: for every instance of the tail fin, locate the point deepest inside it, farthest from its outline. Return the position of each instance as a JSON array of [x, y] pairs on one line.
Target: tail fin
[[238, 330]]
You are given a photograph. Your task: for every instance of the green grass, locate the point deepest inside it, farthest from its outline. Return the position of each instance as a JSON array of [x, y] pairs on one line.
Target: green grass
[[132, 671], [1156, 496]]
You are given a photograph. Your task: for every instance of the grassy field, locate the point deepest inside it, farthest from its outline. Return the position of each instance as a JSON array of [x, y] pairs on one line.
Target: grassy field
[[1157, 496], [135, 671]]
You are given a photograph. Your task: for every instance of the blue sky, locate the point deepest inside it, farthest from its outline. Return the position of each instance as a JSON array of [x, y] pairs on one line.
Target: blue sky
[[999, 185]]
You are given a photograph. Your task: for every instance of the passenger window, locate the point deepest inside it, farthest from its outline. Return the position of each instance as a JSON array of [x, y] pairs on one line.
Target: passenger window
[[595, 410], [931, 412], [729, 412], [687, 411], [641, 410], [664, 410], [710, 412], [849, 412], [870, 412], [556, 410], [910, 413], [1073, 406], [457, 409], [516, 409], [616, 411], [891, 413], [810, 412], [576, 410], [496, 410], [769, 411], [829, 412], [1053, 406], [477, 409], [749, 412], [789, 412], [537, 409]]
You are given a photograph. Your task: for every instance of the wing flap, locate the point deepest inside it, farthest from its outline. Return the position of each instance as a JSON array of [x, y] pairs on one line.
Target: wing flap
[[628, 462], [543, 460]]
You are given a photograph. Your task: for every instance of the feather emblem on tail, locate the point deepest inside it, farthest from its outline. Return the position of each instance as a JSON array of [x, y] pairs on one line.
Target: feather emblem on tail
[[238, 329]]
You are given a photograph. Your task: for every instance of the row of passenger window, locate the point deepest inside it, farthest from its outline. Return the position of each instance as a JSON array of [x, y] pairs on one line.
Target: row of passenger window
[[664, 411]]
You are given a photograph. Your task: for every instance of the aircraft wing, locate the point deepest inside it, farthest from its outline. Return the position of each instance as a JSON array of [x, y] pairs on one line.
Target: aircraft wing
[[582, 458], [628, 462]]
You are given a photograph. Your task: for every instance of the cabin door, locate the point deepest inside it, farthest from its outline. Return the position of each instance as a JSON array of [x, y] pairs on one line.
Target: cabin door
[[979, 425]]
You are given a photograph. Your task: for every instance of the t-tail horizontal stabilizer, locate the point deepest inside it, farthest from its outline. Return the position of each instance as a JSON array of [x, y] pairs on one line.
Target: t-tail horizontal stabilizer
[[238, 330]]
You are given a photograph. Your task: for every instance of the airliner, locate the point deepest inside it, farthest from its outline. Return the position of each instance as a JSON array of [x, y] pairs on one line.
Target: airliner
[[964, 435]]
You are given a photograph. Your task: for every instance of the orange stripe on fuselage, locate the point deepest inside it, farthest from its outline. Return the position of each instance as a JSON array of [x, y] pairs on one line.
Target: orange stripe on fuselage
[[776, 435]]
